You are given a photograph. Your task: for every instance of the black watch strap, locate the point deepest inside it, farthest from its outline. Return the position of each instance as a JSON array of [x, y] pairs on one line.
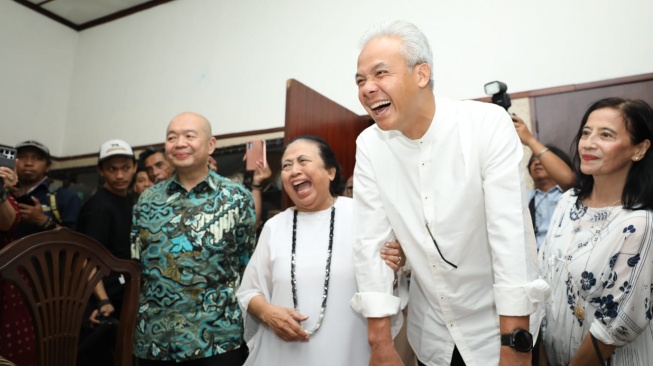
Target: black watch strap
[[520, 340]]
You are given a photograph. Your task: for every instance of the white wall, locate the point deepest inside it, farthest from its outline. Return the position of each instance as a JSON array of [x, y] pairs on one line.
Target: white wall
[[37, 57], [230, 60]]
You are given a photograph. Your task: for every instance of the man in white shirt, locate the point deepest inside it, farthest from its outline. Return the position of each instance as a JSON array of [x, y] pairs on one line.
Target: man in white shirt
[[446, 183]]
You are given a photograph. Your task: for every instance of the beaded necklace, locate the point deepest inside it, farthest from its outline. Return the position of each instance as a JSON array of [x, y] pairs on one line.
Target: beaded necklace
[[579, 310], [293, 280]]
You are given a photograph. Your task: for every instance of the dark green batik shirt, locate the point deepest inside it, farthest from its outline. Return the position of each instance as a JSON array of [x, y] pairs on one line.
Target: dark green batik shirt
[[193, 248]]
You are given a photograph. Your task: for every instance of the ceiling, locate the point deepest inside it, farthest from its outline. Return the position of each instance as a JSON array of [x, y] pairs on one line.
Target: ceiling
[[84, 14]]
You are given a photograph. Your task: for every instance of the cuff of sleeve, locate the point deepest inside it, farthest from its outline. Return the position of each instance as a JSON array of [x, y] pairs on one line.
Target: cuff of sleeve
[[375, 304], [520, 300], [601, 333], [250, 322]]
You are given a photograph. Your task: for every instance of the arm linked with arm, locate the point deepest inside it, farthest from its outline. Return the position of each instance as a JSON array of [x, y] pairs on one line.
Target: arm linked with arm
[[372, 231], [374, 299]]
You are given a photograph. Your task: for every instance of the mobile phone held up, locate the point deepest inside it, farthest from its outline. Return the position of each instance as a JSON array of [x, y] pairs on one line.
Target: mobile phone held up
[[254, 151], [8, 157]]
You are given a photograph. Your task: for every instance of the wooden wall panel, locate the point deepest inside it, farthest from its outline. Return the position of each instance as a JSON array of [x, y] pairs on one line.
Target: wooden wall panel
[[558, 116], [310, 113]]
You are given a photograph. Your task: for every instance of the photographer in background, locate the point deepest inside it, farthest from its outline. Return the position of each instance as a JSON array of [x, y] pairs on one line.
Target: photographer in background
[[41, 205], [550, 168]]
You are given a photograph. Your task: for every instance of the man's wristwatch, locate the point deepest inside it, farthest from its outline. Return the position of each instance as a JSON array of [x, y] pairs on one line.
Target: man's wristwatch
[[4, 195], [519, 339]]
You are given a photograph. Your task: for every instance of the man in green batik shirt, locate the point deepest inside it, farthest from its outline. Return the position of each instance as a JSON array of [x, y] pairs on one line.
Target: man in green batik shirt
[[193, 235]]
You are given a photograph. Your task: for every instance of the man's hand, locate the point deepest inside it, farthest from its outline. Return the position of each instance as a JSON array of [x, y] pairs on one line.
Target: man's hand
[[103, 311], [32, 214], [382, 349], [8, 177], [510, 357], [384, 355]]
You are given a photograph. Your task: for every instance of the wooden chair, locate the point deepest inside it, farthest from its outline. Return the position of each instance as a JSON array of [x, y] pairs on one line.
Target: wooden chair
[[56, 272]]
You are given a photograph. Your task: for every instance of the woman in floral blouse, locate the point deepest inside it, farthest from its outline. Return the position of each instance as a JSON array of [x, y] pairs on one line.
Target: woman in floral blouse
[[598, 255]]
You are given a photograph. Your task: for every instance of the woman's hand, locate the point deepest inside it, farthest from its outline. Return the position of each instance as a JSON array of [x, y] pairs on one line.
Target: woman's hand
[[393, 255], [284, 322]]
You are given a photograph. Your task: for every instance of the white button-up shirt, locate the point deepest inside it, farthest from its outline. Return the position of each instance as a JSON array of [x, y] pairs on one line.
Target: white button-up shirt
[[463, 180]]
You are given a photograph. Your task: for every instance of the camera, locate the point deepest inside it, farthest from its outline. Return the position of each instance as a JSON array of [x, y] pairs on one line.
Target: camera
[[500, 97]]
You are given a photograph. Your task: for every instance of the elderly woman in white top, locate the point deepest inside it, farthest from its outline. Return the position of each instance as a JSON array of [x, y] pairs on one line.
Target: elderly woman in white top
[[296, 289], [598, 256]]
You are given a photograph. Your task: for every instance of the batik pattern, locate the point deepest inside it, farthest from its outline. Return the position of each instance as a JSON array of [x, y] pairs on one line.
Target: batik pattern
[[193, 248]]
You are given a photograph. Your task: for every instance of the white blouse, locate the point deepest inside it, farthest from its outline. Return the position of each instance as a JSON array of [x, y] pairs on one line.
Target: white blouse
[[598, 261], [342, 338]]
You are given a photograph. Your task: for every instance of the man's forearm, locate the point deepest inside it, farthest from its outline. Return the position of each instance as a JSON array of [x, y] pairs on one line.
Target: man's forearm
[[379, 331], [509, 323]]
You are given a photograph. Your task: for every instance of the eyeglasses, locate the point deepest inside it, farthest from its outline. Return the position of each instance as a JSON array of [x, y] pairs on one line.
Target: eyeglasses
[[438, 248]]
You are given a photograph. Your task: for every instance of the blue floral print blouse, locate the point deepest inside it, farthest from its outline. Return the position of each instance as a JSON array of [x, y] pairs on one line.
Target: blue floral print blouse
[[599, 265]]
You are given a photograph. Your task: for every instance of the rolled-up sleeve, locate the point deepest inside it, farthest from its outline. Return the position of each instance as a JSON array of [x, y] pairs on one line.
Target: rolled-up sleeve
[[371, 230], [516, 288]]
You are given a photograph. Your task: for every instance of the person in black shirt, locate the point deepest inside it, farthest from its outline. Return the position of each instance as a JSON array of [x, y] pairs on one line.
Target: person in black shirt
[[106, 217]]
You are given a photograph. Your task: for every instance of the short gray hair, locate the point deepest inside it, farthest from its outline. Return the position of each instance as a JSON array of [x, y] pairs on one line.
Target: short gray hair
[[416, 49]]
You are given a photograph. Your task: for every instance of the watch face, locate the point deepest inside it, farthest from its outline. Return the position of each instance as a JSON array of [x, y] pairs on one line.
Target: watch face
[[523, 340]]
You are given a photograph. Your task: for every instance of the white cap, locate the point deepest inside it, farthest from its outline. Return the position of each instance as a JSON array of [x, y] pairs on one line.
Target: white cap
[[113, 148]]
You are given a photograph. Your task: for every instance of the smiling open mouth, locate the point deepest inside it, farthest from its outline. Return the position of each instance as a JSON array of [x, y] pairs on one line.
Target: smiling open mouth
[[301, 186], [380, 106]]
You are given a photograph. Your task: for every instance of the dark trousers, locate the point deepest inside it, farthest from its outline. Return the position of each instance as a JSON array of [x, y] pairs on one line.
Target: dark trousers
[[456, 359], [232, 358]]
